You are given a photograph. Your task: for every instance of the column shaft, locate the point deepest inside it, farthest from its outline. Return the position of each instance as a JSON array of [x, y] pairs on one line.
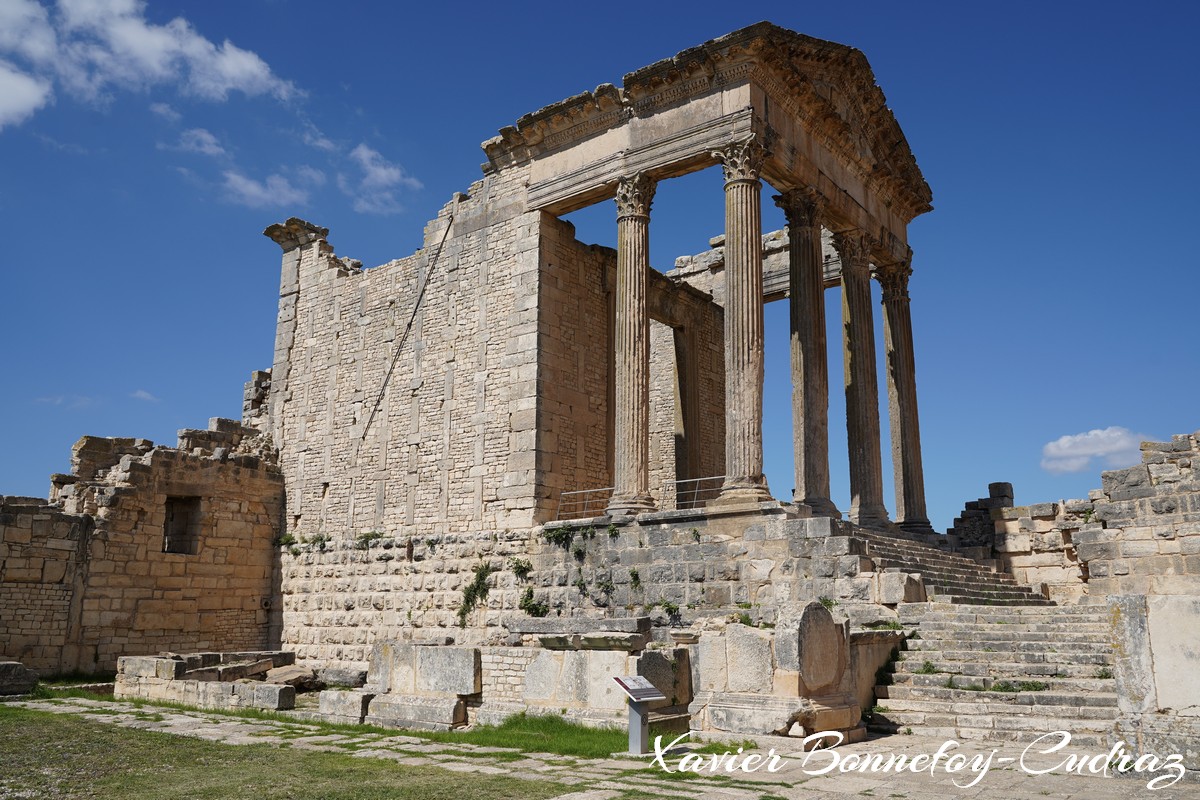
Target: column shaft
[[810, 367], [862, 387], [744, 479], [902, 399], [631, 457]]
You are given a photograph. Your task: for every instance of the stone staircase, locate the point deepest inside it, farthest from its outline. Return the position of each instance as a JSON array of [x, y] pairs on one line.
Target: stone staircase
[[1051, 665], [948, 577]]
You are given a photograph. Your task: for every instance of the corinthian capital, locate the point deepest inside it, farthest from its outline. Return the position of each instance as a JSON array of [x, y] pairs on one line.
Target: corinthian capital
[[854, 249], [742, 160], [802, 207], [893, 279], [634, 195]]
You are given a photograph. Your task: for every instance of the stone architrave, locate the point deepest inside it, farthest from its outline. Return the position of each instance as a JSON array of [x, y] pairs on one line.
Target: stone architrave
[[631, 457], [862, 388], [744, 336], [902, 397], [810, 360]]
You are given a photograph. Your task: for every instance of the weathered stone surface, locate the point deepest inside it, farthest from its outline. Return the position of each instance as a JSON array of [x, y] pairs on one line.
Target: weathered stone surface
[[448, 670], [344, 706], [422, 713], [15, 678], [749, 663], [823, 650], [340, 676], [303, 679]]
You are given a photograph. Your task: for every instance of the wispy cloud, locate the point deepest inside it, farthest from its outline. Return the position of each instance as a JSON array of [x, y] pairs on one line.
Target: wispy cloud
[[94, 47], [21, 94], [272, 192], [313, 137], [71, 402], [196, 140], [1115, 447], [142, 394], [374, 192], [165, 111]]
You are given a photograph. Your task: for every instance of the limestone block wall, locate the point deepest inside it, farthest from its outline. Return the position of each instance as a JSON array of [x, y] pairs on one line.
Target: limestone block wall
[[568, 422], [89, 566], [39, 548], [1149, 539], [342, 597], [1138, 534], [448, 437], [1037, 545]]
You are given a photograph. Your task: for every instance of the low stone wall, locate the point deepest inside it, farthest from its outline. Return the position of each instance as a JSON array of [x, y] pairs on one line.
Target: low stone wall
[[206, 680], [1036, 544], [143, 549], [1155, 642]]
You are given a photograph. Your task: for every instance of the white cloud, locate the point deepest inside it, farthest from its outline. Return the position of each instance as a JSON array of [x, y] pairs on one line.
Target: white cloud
[[73, 402], [142, 394], [25, 31], [20, 95], [375, 191], [310, 175], [273, 192], [1115, 447], [313, 137], [166, 112], [93, 47], [197, 140]]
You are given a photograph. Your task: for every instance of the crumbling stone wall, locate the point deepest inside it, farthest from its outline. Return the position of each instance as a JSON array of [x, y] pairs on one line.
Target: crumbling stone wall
[[1137, 535], [84, 577]]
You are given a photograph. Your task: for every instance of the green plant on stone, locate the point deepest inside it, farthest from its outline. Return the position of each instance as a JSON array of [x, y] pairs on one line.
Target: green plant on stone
[[559, 536], [284, 540], [613, 530], [589, 532], [474, 592], [669, 608], [927, 668], [520, 567], [635, 579], [828, 602], [696, 534], [534, 608], [744, 619], [1104, 673], [579, 551], [605, 585], [580, 584], [365, 539]]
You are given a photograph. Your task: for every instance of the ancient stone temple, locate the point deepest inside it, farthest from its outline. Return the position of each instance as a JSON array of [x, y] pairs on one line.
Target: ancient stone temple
[[498, 472]]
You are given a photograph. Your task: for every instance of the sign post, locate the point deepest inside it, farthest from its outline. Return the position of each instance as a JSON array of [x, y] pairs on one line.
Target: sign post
[[640, 693]]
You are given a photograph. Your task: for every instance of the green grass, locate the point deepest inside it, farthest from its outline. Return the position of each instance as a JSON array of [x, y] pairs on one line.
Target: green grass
[[538, 734], [68, 757], [927, 668]]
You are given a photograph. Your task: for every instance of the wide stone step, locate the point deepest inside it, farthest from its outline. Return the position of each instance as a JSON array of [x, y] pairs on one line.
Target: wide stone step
[[931, 627], [987, 680], [1020, 657], [988, 644], [969, 600], [947, 611], [1089, 734], [1006, 633], [942, 694], [1006, 669]]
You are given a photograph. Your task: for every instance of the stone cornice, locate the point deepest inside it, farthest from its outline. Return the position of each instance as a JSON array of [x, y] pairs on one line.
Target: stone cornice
[[295, 233], [796, 70]]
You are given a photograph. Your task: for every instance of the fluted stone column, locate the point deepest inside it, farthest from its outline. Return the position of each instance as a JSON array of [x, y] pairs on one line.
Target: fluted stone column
[[631, 457], [902, 397], [862, 388], [744, 479], [810, 361]]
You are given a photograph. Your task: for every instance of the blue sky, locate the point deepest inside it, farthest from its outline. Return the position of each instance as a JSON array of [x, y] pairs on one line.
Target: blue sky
[[144, 146]]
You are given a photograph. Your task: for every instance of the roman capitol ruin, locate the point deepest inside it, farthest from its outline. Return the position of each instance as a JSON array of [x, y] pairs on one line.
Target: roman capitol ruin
[[492, 475]]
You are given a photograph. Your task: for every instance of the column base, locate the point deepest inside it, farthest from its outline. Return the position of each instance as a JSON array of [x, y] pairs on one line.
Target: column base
[[821, 506], [917, 525], [627, 505], [870, 517], [743, 492]]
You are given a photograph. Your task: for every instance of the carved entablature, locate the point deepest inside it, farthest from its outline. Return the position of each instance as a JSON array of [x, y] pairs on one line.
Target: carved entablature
[[295, 233], [819, 91]]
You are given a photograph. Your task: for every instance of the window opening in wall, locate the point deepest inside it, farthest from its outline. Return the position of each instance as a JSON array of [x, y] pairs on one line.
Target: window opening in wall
[[181, 530]]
